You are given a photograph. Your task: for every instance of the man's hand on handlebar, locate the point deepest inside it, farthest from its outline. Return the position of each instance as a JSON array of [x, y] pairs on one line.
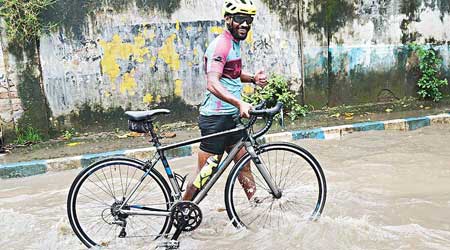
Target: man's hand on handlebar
[[244, 109]]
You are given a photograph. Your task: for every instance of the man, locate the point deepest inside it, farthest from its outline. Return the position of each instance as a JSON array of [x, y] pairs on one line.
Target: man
[[224, 86]]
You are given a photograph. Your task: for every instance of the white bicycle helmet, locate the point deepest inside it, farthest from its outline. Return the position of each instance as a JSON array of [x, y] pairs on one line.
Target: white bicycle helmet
[[238, 7]]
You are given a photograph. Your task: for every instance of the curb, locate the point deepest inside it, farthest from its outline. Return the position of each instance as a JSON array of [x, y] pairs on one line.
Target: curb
[[30, 168]]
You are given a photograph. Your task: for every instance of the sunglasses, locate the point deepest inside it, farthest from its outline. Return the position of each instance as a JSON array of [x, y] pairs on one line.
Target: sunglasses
[[240, 19]]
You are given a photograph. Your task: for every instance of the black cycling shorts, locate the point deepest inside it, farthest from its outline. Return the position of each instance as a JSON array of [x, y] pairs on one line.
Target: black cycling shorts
[[214, 124]]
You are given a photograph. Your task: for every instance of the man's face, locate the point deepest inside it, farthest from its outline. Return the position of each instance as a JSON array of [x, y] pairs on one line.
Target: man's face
[[239, 25]]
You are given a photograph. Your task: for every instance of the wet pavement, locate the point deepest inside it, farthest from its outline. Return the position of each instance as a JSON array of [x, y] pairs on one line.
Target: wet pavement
[[386, 190]]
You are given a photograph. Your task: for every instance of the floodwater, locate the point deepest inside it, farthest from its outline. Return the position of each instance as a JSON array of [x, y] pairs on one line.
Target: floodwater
[[386, 190]]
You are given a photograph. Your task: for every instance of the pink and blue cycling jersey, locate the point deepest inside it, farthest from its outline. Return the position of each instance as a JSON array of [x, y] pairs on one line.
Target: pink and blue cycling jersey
[[223, 56]]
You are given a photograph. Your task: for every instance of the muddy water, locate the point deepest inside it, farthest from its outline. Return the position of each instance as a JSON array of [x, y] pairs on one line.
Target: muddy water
[[386, 190]]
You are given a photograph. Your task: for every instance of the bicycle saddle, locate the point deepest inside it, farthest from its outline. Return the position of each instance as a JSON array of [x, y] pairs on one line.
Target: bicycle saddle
[[145, 115]]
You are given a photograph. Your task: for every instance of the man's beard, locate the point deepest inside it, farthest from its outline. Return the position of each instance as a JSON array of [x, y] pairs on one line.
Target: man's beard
[[234, 32]]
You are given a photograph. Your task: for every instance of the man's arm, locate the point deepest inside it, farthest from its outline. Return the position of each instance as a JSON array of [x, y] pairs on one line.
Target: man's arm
[[215, 87], [259, 78]]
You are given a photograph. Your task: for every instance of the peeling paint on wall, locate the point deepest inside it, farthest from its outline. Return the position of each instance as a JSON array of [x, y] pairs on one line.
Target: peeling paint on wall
[[117, 50], [169, 54], [148, 63]]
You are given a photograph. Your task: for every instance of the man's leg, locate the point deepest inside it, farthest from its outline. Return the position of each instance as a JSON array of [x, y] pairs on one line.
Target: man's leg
[[245, 176], [190, 188]]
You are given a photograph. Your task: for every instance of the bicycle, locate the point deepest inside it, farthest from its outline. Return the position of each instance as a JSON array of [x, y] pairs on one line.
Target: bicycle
[[122, 200]]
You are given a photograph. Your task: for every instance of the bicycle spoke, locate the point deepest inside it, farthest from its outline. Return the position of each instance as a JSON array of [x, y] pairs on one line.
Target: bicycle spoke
[[121, 182], [293, 174], [101, 181], [97, 197], [101, 188]]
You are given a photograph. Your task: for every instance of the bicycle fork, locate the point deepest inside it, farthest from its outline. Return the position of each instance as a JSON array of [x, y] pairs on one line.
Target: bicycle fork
[[276, 192]]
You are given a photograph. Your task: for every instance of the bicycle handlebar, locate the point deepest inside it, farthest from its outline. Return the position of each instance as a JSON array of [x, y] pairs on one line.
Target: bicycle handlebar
[[271, 112], [259, 112]]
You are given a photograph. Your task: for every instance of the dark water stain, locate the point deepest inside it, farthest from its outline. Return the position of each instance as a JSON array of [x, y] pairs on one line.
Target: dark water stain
[[412, 9], [36, 111], [72, 15], [91, 117], [328, 16], [166, 6], [361, 84], [179, 110], [287, 10]]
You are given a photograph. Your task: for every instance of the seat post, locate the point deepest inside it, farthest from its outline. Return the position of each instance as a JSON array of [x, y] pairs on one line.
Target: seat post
[[154, 136]]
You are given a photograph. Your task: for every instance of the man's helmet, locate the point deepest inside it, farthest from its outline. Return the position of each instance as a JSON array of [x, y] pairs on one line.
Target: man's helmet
[[232, 7]]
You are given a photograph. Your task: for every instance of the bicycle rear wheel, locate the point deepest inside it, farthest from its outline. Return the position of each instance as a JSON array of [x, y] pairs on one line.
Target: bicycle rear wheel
[[99, 190], [294, 171]]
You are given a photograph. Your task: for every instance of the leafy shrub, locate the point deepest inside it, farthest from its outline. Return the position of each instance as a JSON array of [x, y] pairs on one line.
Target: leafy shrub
[[429, 64], [23, 18], [276, 90]]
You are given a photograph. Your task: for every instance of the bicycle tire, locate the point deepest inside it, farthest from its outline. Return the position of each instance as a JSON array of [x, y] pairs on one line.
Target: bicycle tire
[[88, 211], [262, 207]]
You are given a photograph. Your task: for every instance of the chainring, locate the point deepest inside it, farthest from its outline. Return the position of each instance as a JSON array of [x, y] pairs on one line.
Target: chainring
[[186, 215]]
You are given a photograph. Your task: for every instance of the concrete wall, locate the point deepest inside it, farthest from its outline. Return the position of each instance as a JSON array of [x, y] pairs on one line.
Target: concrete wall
[[134, 59], [369, 52], [136, 54]]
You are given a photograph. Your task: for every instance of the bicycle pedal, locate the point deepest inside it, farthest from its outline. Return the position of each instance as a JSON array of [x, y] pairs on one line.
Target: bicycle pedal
[[171, 244]]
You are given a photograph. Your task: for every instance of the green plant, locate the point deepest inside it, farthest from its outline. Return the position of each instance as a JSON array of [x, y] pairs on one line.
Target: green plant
[[68, 134], [278, 90], [28, 135], [23, 19], [429, 64]]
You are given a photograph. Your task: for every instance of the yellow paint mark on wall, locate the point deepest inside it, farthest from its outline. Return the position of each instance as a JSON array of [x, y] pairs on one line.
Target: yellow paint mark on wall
[[195, 51], [116, 49], [138, 49], [153, 61], [189, 28], [169, 54], [177, 25], [178, 87], [108, 62], [216, 30], [248, 89], [128, 84], [249, 38], [148, 98]]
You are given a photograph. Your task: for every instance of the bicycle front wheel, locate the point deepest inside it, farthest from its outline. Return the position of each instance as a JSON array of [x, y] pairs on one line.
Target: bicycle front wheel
[[249, 200], [97, 196]]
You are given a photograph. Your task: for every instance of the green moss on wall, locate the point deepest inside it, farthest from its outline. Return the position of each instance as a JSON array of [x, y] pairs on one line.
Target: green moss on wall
[[36, 111]]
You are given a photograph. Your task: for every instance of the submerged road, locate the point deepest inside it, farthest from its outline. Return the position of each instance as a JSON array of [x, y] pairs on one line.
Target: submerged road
[[386, 190]]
